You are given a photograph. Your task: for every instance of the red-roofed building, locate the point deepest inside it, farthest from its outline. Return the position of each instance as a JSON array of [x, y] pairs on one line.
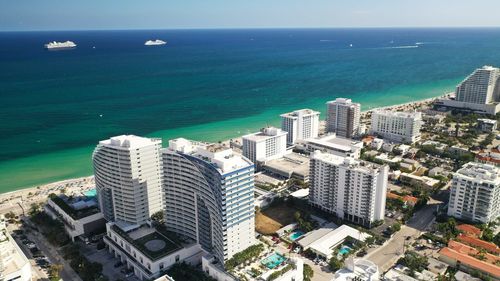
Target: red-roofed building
[[478, 243], [464, 258], [489, 157], [469, 230], [410, 200]]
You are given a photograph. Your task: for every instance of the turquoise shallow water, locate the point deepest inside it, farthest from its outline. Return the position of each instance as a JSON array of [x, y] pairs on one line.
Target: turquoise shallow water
[[204, 84]]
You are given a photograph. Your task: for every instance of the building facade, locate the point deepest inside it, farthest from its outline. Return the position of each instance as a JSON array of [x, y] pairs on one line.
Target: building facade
[[300, 124], [343, 117], [480, 87], [350, 189], [268, 144], [128, 177], [401, 127], [475, 193], [209, 196]]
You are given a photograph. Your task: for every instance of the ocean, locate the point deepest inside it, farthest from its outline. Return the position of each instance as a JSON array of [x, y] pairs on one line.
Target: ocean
[[205, 84]]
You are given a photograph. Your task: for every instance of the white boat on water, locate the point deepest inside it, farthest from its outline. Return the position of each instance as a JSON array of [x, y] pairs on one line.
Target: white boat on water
[[60, 45], [156, 42]]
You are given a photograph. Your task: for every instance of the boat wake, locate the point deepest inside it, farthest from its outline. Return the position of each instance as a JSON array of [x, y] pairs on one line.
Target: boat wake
[[401, 47]]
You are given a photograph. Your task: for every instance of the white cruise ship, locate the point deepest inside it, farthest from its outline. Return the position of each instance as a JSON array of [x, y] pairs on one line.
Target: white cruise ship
[[155, 42], [60, 45]]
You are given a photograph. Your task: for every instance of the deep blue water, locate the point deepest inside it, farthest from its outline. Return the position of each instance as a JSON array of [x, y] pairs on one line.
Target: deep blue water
[[52, 101]]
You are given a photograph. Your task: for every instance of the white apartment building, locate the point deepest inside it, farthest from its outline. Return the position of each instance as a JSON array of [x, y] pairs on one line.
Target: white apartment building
[[401, 127], [475, 193], [350, 189], [300, 124], [268, 144], [343, 117], [128, 178], [13, 263], [209, 196], [480, 87]]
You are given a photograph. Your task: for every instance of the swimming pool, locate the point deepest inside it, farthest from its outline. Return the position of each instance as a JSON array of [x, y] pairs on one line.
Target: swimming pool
[[296, 235], [344, 250], [273, 260], [91, 193]]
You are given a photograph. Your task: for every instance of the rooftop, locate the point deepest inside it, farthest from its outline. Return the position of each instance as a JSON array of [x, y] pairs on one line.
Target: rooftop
[[129, 142], [397, 113], [469, 229], [76, 207], [460, 252], [292, 163], [476, 242], [337, 143], [154, 243], [297, 113], [357, 269], [480, 172], [352, 163], [219, 155], [265, 133]]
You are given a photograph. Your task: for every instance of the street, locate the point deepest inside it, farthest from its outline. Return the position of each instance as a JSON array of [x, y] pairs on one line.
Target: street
[[387, 255]]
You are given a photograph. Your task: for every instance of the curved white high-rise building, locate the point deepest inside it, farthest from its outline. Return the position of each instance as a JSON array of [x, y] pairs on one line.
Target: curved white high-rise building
[[209, 196], [128, 177]]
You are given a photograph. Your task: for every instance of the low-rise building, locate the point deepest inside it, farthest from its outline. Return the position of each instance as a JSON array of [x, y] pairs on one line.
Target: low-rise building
[[292, 165], [358, 269], [149, 251], [403, 149], [467, 259], [334, 145], [441, 147], [80, 215], [14, 265], [421, 181], [487, 125], [469, 230], [388, 147], [324, 240], [387, 159], [438, 172], [491, 156], [377, 143]]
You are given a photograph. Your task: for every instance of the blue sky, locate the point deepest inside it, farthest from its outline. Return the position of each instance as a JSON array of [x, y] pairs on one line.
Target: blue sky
[[165, 14]]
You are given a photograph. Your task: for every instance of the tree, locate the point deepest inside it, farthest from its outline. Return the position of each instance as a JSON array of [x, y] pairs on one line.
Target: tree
[[396, 227], [307, 272], [335, 264], [54, 272], [158, 218]]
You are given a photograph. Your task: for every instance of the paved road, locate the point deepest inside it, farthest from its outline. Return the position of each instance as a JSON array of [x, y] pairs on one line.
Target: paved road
[[67, 273], [388, 254]]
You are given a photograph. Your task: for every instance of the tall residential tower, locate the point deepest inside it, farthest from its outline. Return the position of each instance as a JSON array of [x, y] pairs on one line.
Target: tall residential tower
[[475, 193], [300, 124], [350, 189], [268, 144], [343, 117], [128, 178], [209, 196]]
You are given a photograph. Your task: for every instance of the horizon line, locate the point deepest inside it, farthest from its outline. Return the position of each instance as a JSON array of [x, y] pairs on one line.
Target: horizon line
[[253, 28]]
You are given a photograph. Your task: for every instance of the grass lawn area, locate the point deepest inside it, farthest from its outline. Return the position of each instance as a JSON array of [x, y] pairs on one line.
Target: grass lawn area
[[274, 218]]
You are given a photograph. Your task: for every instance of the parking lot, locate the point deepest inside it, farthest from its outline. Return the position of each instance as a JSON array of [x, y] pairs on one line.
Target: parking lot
[[111, 266], [39, 262]]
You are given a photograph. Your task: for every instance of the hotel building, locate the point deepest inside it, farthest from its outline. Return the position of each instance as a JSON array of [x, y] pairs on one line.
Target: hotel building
[[209, 196], [128, 178], [350, 189], [343, 117], [475, 193], [268, 144], [300, 125], [401, 127]]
